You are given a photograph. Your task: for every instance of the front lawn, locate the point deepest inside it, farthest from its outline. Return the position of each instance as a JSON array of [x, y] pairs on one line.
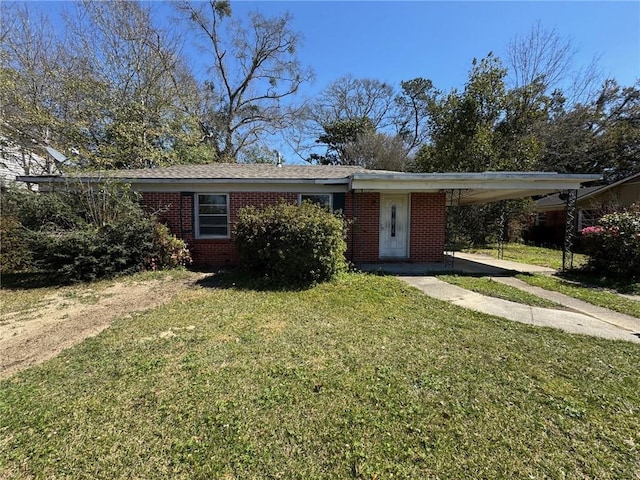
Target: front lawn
[[361, 378], [517, 252]]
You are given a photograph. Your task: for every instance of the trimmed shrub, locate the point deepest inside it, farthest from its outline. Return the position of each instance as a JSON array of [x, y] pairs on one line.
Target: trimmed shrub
[[170, 252], [291, 244], [613, 245]]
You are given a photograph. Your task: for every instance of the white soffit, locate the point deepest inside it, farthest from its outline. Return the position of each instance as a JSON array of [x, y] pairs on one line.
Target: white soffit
[[470, 188]]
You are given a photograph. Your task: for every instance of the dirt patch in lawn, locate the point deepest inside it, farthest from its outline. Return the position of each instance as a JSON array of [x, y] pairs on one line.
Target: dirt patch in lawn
[[62, 319]]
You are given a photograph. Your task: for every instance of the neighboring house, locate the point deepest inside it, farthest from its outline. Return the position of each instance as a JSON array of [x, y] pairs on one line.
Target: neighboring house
[[394, 216], [592, 203], [16, 162]]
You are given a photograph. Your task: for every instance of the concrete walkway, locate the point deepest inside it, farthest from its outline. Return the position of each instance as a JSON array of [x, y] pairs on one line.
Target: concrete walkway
[[604, 314], [484, 261], [586, 322], [584, 318], [462, 263]]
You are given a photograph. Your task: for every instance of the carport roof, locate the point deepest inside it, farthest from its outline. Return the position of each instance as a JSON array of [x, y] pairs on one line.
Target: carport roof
[[472, 188]]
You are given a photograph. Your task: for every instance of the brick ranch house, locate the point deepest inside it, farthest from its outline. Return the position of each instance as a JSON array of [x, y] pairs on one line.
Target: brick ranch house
[[394, 216], [548, 225]]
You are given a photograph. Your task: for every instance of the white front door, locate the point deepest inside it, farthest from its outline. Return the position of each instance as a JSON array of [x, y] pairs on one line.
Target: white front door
[[394, 225]]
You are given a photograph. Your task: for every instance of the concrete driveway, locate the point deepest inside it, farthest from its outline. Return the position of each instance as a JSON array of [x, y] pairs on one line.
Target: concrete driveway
[[459, 263], [579, 317]]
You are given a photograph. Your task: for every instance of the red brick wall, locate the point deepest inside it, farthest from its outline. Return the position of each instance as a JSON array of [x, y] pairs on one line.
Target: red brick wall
[[166, 206], [363, 235], [427, 224], [207, 251], [428, 218]]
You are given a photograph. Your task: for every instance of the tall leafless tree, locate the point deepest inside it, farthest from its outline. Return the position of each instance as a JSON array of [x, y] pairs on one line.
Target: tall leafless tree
[[545, 57], [148, 96], [378, 151], [31, 65], [253, 73], [346, 101], [351, 98]]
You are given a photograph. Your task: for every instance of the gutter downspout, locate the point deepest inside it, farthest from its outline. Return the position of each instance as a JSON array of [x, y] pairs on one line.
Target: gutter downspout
[[184, 231], [353, 224], [181, 219]]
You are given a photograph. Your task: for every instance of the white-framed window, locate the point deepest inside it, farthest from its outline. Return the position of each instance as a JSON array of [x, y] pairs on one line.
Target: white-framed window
[[587, 218], [211, 215], [541, 219], [323, 199]]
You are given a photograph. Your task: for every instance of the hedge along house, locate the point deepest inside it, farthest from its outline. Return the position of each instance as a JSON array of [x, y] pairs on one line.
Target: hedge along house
[[394, 216]]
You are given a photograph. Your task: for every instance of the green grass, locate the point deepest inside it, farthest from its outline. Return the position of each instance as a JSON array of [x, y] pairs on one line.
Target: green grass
[[491, 288], [588, 293], [361, 378], [544, 257], [592, 280]]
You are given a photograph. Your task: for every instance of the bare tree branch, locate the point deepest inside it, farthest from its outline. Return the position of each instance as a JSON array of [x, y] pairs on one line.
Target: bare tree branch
[[253, 69]]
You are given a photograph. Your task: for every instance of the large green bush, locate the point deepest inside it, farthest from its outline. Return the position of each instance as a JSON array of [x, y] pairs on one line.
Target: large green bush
[[89, 253], [613, 245], [85, 232], [291, 244], [14, 254]]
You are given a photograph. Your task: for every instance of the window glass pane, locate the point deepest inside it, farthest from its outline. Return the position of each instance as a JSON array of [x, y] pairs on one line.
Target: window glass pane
[[214, 231], [393, 220], [320, 199], [212, 215], [588, 218], [206, 220], [212, 199], [213, 209]]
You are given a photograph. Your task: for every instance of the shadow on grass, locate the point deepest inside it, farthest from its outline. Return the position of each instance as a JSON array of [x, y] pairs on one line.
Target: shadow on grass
[[496, 273], [233, 278], [590, 279], [399, 272], [578, 276], [240, 279], [30, 280]]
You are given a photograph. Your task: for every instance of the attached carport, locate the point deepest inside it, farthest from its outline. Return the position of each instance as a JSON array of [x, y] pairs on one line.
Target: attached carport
[[479, 188]]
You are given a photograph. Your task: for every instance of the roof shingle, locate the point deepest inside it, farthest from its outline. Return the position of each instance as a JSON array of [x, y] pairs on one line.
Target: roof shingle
[[239, 171]]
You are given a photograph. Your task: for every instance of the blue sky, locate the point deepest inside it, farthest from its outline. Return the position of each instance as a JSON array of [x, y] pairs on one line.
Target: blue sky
[[394, 41], [400, 40]]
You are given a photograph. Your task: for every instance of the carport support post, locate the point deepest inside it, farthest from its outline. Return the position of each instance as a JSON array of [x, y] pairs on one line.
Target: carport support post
[[451, 227], [503, 228], [569, 228]]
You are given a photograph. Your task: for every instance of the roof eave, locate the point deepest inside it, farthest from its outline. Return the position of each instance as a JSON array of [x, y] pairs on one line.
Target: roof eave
[[483, 181], [164, 181]]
